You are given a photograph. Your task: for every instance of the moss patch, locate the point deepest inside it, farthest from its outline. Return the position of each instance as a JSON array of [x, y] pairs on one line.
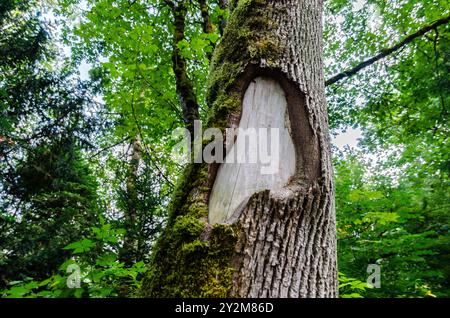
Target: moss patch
[[192, 260]]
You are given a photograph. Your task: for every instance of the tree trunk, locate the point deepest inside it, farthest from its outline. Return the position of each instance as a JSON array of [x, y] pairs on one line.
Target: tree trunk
[[273, 236], [129, 251]]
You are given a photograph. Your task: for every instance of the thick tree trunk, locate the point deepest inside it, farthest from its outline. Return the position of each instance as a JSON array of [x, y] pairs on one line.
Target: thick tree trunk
[[277, 240]]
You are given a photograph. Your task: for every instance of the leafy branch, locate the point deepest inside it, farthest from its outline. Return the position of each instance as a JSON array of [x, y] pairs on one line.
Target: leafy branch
[[386, 52]]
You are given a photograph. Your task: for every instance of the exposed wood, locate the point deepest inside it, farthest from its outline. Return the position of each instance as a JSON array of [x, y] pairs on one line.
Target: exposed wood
[[264, 106], [130, 244], [223, 5]]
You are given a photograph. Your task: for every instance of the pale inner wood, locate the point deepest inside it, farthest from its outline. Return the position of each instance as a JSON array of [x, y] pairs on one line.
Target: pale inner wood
[[264, 106]]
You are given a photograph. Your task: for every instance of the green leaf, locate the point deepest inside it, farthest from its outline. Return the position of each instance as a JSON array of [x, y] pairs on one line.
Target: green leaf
[[352, 295]]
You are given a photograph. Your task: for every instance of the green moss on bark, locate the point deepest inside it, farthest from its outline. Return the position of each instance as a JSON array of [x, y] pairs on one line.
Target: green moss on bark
[[192, 260]]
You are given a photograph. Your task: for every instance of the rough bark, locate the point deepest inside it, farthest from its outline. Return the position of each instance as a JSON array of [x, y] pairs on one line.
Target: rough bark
[[281, 243]]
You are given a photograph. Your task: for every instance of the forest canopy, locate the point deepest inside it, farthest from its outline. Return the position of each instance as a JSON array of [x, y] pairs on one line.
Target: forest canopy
[[92, 91]]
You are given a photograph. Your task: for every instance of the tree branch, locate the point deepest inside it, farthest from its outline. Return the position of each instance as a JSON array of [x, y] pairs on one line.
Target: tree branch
[[108, 147], [386, 52], [206, 23], [223, 5], [184, 85], [172, 104]]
